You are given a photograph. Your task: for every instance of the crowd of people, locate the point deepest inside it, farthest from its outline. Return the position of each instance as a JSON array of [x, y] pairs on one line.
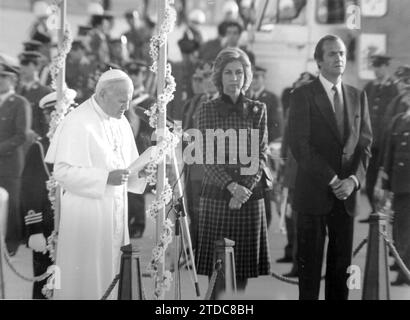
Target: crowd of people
[[330, 135]]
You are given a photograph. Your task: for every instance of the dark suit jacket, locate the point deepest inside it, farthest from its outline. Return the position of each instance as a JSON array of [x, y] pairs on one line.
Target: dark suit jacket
[[15, 121], [319, 149]]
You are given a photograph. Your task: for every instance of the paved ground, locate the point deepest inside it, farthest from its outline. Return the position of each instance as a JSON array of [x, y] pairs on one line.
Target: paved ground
[[262, 288]]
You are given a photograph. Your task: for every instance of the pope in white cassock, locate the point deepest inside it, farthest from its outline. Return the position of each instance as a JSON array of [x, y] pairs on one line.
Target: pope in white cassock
[[91, 151]]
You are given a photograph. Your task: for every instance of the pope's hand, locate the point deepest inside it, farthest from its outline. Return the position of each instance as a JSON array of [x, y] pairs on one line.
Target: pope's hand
[[37, 242], [118, 177]]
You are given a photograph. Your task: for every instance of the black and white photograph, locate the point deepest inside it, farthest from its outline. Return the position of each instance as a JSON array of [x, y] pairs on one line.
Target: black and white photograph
[[181, 151]]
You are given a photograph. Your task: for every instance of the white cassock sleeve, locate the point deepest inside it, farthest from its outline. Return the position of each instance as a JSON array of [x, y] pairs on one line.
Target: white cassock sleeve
[[85, 182]]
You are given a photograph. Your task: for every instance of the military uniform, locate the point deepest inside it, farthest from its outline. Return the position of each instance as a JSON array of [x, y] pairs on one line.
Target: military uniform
[[274, 114], [77, 72], [397, 106], [36, 206], [397, 168], [183, 72], [33, 93], [141, 100], [15, 117], [99, 46], [380, 95]]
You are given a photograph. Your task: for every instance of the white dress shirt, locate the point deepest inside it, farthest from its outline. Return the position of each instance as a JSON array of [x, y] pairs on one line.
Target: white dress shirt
[[328, 86]]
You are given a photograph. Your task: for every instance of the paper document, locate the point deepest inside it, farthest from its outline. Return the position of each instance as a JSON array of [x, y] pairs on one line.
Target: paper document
[[146, 157]]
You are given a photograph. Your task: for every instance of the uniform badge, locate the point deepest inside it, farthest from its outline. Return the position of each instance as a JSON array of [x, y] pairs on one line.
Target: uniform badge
[[255, 109]]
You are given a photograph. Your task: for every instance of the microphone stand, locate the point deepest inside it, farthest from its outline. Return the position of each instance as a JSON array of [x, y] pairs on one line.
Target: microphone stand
[[182, 230]]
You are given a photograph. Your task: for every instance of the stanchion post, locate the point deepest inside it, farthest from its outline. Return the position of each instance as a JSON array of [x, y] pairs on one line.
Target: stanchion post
[[376, 284], [130, 283], [225, 282]]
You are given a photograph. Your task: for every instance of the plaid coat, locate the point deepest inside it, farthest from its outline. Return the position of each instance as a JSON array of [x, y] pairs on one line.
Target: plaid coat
[[247, 226]]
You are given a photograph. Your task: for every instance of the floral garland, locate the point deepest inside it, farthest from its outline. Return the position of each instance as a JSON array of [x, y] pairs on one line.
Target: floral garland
[[61, 109], [59, 60], [163, 200], [164, 146], [158, 256], [163, 99]]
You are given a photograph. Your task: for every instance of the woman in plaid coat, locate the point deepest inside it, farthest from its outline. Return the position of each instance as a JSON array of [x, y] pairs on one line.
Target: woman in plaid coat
[[232, 200]]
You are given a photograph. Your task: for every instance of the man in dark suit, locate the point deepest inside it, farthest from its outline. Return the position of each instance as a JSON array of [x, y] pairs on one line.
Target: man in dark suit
[[15, 122], [330, 138]]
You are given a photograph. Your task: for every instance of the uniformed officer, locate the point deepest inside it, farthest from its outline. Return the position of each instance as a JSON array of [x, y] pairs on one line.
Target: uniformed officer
[[138, 36], [380, 93], [274, 121], [397, 106], [30, 87], [99, 37], [137, 70], [15, 121], [118, 51], [274, 109], [32, 45], [204, 90], [183, 71], [36, 206], [397, 180], [78, 68]]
